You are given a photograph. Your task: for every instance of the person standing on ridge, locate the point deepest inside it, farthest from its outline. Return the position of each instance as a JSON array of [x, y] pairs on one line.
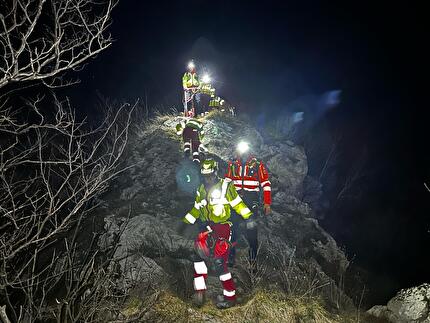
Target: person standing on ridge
[[191, 86], [250, 177], [213, 202], [192, 133], [207, 89]]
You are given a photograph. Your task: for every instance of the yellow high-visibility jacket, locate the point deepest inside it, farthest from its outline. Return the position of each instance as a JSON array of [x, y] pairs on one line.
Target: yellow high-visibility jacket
[[190, 80], [215, 205]]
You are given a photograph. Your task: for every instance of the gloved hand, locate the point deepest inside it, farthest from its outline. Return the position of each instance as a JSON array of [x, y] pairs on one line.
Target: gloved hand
[[250, 224], [267, 209]]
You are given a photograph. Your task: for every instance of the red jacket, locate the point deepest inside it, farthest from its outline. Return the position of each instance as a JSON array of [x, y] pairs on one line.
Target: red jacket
[[255, 175]]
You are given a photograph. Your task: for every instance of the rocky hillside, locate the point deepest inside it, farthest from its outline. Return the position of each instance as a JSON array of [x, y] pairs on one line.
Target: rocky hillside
[[144, 208]]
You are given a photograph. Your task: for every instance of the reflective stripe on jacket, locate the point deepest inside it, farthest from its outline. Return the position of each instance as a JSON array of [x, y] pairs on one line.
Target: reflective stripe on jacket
[[207, 89], [216, 102], [215, 204], [255, 177], [190, 123]]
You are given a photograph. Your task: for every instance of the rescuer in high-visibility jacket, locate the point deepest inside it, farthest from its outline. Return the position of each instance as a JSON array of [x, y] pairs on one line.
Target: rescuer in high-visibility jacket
[[191, 86], [213, 201], [250, 177], [216, 102], [207, 89], [192, 136]]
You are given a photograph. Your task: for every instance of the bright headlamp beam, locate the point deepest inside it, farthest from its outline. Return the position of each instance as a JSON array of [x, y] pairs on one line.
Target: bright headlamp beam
[[206, 78], [242, 147], [191, 65]]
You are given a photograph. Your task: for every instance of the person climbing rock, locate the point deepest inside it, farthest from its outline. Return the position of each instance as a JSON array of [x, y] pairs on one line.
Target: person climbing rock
[[250, 177], [213, 202], [191, 86], [192, 133]]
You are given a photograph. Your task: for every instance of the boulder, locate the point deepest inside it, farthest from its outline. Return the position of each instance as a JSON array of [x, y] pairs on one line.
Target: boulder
[[408, 306], [288, 164], [139, 270], [222, 135], [290, 204], [383, 312], [153, 236]]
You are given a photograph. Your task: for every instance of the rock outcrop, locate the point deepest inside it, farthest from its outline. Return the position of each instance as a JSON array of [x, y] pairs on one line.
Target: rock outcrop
[[146, 204], [411, 305]]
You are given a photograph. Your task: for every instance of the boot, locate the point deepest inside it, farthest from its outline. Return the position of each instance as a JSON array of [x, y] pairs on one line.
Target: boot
[[199, 298], [223, 303]]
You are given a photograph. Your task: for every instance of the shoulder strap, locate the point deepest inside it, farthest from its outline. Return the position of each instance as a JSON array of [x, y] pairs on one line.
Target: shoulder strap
[[233, 164]]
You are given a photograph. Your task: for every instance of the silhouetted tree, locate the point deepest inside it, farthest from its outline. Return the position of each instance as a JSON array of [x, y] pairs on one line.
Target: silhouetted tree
[[53, 166]]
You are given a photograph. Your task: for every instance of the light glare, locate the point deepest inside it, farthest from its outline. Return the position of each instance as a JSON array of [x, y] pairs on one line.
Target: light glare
[[206, 78], [216, 194], [242, 147], [191, 65]]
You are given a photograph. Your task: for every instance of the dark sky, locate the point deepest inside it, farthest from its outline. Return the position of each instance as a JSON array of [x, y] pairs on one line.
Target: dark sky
[[301, 47], [263, 56]]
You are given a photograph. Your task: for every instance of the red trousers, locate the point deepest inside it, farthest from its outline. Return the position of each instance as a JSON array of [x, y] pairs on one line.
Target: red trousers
[[218, 235]]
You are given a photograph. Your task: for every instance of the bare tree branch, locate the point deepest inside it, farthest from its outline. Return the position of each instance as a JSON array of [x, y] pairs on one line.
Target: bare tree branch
[[53, 166], [50, 173], [3, 315], [40, 40]]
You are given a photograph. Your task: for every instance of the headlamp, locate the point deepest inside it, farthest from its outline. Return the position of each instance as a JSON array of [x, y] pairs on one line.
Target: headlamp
[[206, 78], [191, 65], [242, 147]]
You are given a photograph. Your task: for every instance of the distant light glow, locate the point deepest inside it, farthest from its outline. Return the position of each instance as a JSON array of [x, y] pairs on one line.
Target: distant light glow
[[242, 147], [332, 98], [298, 117]]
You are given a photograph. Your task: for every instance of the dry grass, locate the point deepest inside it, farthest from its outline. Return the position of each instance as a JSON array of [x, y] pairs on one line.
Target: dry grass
[[132, 307], [151, 126], [263, 306]]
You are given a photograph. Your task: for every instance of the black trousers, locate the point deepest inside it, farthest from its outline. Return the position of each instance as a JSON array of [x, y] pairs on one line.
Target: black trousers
[[251, 200]]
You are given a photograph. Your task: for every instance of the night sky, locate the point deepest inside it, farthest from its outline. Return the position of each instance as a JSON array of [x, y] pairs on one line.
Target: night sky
[[266, 55]]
